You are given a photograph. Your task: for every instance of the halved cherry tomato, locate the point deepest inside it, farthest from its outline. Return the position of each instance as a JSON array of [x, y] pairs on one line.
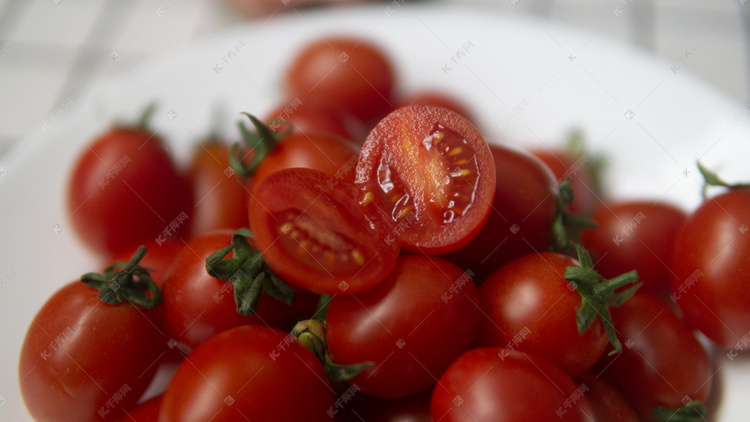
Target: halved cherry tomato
[[313, 232], [411, 326], [440, 99], [430, 173], [250, 373], [353, 74]]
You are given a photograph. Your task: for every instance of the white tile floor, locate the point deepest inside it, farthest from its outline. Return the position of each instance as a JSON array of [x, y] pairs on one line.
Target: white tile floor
[[51, 50]]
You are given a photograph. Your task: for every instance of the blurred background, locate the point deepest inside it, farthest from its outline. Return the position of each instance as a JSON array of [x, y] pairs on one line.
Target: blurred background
[[52, 50]]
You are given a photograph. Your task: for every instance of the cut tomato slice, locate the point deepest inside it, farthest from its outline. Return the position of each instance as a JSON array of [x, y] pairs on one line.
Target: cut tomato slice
[[313, 232], [430, 173]]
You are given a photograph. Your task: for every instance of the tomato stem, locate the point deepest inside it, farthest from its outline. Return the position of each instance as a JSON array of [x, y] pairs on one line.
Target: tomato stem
[[599, 294], [710, 178], [248, 273], [312, 334], [694, 411], [126, 281], [260, 143], [144, 121], [567, 226]]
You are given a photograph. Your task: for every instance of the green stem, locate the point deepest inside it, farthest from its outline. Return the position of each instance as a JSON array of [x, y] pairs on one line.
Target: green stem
[[259, 143], [695, 411], [126, 282], [710, 178]]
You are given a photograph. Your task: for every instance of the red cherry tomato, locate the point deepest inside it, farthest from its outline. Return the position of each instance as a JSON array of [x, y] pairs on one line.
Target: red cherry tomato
[[85, 360], [498, 385], [312, 118], [635, 235], [198, 306], [416, 322], [353, 74], [326, 153], [429, 172], [124, 190], [220, 196], [711, 269], [147, 411], [315, 234], [528, 305], [608, 404], [523, 210], [661, 364], [249, 373]]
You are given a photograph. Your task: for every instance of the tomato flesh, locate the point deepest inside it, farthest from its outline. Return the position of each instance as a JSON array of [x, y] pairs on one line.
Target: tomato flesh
[[431, 174]]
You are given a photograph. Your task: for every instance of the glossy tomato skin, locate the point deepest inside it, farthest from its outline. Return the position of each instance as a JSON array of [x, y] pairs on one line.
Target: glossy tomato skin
[[411, 326], [413, 408], [523, 210], [310, 118], [662, 364], [429, 172], [326, 153], [83, 359], [249, 373], [497, 385], [711, 268], [528, 305], [124, 189], [607, 403], [198, 306], [564, 165], [147, 411], [220, 196], [315, 234], [353, 74], [635, 235]]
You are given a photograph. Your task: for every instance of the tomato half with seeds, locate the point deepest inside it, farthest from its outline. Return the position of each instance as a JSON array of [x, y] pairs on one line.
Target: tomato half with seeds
[[430, 173], [314, 233]]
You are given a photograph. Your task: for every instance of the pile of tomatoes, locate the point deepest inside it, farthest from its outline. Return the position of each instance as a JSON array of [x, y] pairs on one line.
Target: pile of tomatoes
[[363, 255]]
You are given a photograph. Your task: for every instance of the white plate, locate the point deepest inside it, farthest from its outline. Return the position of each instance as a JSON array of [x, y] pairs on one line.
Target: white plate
[[528, 81]]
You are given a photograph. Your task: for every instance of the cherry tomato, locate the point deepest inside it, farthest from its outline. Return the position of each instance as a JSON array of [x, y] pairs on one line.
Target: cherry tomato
[[147, 411], [249, 373], [528, 305], [429, 172], [608, 404], [198, 306], [220, 196], [662, 364], [312, 118], [85, 360], [327, 153], [564, 165], [124, 190], [497, 385], [710, 268], [314, 233], [635, 235], [353, 74], [523, 211], [413, 408], [440, 99], [416, 322]]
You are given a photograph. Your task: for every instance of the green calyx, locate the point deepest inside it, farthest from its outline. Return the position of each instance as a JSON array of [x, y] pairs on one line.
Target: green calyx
[[566, 226], [248, 273], [598, 294], [257, 145], [694, 411], [312, 334], [126, 282], [712, 179]]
